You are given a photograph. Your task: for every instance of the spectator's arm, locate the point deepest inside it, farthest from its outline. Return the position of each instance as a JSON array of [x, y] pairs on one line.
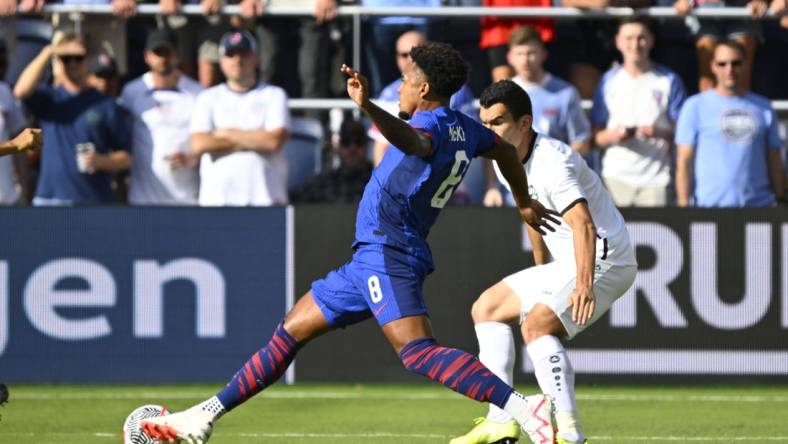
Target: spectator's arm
[[325, 10], [113, 162], [585, 3], [28, 6], [604, 137], [124, 8], [32, 74], [7, 8], [204, 143], [777, 173], [258, 140], [683, 7], [169, 7], [684, 172], [758, 8], [778, 7]]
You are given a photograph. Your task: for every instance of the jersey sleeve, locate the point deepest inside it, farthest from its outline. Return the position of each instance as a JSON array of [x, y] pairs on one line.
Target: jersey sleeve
[[278, 115], [773, 141], [565, 190], [487, 140], [119, 128], [202, 119], [40, 102], [599, 112], [427, 124], [687, 125], [677, 96], [578, 128]]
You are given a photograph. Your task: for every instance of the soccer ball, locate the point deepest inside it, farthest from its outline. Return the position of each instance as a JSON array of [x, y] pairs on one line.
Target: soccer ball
[[132, 434]]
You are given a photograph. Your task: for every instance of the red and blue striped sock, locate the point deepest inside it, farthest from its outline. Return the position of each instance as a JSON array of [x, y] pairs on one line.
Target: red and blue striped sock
[[261, 370], [455, 369]]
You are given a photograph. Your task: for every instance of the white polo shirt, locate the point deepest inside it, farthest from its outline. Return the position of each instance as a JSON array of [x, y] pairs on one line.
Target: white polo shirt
[[559, 178], [161, 129], [653, 98], [11, 122], [242, 178]]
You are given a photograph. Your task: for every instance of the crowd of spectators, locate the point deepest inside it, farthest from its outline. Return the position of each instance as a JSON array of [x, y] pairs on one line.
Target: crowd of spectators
[[186, 110]]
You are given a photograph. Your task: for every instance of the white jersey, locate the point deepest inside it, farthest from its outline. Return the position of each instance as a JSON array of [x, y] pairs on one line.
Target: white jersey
[[242, 178], [559, 178], [11, 122], [161, 129], [653, 98]]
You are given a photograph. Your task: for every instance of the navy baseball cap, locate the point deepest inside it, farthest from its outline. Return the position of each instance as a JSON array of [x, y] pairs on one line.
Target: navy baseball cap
[[160, 38], [235, 41], [103, 65]]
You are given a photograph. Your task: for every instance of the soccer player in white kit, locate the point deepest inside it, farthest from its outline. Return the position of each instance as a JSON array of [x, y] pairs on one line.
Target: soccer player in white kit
[[593, 265]]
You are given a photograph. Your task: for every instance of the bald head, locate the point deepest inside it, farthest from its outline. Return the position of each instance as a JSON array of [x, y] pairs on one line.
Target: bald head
[[405, 43]]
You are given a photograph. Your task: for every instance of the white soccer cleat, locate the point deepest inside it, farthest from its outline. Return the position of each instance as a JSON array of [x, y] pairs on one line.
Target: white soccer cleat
[[192, 426], [536, 421]]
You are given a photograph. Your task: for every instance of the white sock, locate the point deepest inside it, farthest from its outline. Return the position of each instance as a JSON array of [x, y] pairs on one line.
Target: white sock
[[496, 351], [556, 378], [212, 405]]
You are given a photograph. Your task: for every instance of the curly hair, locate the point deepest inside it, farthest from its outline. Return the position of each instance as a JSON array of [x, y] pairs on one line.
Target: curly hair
[[444, 67], [513, 97]]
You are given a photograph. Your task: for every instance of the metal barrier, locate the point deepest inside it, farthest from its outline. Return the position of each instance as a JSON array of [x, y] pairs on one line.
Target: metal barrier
[[460, 12]]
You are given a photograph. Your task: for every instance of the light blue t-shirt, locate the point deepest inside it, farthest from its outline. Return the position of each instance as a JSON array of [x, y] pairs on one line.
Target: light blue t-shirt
[[731, 136], [557, 110]]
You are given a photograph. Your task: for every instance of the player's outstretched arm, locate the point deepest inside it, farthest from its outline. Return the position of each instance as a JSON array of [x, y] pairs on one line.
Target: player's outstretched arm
[[532, 212], [28, 139], [396, 131]]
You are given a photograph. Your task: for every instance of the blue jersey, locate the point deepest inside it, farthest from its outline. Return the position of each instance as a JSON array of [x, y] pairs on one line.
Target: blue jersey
[[405, 194], [731, 136], [68, 120]]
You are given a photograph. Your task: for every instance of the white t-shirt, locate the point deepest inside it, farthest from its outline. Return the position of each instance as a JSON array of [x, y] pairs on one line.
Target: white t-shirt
[[653, 98], [161, 129], [242, 178], [11, 122], [559, 178]]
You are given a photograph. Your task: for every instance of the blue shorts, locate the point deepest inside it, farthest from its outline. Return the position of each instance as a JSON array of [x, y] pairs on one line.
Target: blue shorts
[[378, 281]]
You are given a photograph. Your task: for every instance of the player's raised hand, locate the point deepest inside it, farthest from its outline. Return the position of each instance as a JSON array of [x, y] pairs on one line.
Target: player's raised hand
[[29, 139], [357, 85], [583, 302], [539, 217]]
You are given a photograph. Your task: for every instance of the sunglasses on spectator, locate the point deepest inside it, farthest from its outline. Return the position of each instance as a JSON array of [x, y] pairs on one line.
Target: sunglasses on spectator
[[734, 63], [71, 58], [403, 55]]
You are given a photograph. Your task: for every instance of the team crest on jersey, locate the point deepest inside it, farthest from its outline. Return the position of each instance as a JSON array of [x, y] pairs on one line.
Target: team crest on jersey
[[456, 134], [738, 126]]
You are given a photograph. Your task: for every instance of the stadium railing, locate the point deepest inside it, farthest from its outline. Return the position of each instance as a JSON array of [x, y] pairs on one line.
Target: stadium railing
[[462, 12]]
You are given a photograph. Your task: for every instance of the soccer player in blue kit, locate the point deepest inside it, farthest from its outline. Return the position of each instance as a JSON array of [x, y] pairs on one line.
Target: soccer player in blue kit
[[391, 258]]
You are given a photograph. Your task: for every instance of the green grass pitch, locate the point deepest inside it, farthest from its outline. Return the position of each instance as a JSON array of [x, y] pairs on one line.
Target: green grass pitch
[[418, 414]]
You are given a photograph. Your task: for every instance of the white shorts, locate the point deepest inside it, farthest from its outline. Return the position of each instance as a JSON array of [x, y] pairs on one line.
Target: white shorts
[[551, 284]]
